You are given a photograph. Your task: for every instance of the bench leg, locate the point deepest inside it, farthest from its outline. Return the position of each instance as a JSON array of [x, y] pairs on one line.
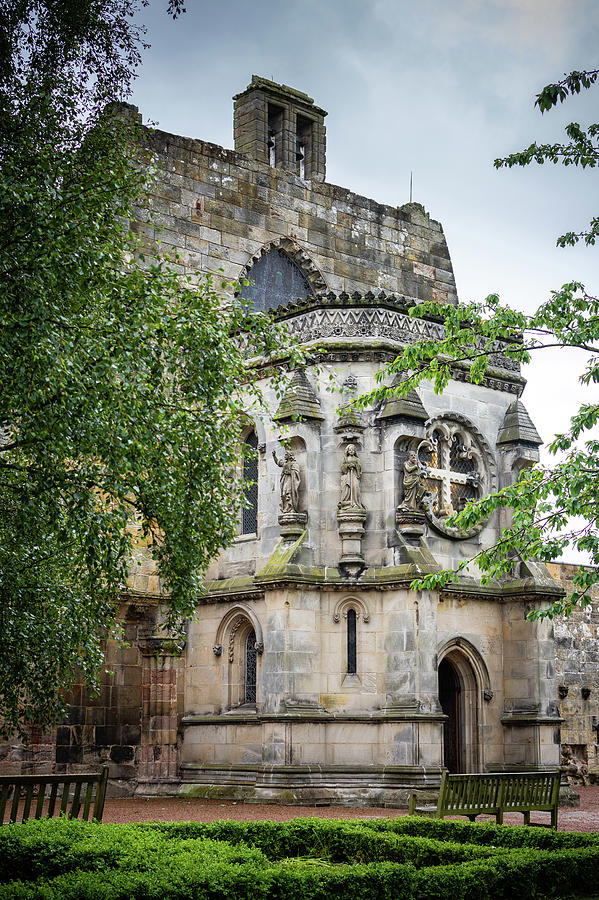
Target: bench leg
[[499, 817], [472, 818], [554, 818], [526, 818]]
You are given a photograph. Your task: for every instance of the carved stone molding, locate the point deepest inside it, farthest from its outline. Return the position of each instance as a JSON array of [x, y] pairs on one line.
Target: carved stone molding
[[351, 531], [372, 321], [298, 255], [346, 603], [292, 524], [412, 524], [238, 615]]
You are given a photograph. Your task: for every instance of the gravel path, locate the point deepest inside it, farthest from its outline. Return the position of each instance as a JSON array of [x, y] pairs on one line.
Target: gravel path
[[170, 809]]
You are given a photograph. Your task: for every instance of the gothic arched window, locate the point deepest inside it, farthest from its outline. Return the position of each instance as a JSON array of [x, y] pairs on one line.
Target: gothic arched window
[[275, 280], [249, 515]]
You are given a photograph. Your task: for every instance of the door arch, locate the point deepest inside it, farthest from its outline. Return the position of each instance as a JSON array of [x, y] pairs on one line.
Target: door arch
[[450, 698], [462, 676]]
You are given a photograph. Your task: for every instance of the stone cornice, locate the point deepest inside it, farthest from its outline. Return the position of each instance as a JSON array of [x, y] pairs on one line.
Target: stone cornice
[[319, 716], [527, 719], [384, 578]]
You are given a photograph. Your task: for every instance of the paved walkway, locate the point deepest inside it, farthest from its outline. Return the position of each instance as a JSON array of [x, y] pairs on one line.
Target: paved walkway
[[167, 809]]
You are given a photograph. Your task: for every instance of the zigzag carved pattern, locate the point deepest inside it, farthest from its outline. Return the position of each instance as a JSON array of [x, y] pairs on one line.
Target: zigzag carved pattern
[[363, 322]]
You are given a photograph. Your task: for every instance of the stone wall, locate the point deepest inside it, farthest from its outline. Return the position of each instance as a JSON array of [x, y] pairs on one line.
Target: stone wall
[[577, 649], [218, 209]]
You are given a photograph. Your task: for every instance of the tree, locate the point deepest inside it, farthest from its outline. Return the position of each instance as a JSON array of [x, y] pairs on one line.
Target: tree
[[553, 507], [119, 401]]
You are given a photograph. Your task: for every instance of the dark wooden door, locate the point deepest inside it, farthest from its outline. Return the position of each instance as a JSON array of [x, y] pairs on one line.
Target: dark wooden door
[[449, 698]]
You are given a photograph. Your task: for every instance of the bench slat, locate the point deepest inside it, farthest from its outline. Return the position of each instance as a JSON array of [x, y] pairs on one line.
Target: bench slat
[[15, 803], [88, 800], [28, 799], [41, 796], [65, 797], [3, 799], [52, 801], [76, 802]]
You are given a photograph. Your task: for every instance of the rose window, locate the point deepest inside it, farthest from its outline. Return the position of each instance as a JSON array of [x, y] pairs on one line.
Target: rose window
[[458, 469]]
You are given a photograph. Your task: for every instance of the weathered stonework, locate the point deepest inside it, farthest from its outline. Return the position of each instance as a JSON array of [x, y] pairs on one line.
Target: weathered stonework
[[577, 671], [312, 673]]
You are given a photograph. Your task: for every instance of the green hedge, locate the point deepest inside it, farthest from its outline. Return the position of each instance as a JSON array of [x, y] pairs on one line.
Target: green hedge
[[305, 859], [341, 843], [481, 834]]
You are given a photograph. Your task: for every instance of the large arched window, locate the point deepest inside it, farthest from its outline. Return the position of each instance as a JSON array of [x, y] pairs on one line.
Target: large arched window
[[275, 280], [249, 515]]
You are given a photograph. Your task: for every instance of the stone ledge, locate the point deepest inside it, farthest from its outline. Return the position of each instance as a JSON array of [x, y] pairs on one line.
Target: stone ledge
[[314, 716]]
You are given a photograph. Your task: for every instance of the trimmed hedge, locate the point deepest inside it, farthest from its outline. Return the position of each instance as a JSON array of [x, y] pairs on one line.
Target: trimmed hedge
[[480, 834], [307, 859]]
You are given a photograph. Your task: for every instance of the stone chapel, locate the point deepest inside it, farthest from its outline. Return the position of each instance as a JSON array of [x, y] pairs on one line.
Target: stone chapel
[[312, 672]]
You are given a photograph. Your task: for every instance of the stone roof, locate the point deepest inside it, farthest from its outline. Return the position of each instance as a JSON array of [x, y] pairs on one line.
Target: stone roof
[[518, 427], [408, 407], [299, 400]]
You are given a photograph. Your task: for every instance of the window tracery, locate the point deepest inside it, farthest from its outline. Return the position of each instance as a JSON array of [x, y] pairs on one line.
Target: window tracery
[[452, 466]]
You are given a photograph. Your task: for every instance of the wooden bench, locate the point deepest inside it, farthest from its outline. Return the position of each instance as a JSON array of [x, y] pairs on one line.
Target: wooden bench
[[87, 795], [494, 794]]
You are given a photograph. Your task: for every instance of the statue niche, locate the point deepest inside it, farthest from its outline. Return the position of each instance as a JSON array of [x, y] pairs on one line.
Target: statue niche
[[351, 514], [351, 473], [290, 482], [410, 514], [291, 518], [414, 488]]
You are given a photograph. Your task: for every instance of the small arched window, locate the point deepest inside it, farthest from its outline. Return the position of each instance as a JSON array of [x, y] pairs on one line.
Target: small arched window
[[249, 515], [352, 668]]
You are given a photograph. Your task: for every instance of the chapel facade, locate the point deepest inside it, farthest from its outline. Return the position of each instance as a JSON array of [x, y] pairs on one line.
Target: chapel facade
[[312, 673]]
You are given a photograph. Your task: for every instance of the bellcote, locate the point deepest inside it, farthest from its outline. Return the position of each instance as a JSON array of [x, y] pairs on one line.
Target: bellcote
[[281, 127]]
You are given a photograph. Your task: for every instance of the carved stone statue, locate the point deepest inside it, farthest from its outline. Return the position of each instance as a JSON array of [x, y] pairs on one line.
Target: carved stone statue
[[414, 490], [290, 482], [351, 473]]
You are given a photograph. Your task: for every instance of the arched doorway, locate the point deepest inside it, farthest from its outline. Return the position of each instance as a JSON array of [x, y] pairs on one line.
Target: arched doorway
[[449, 698], [462, 675]]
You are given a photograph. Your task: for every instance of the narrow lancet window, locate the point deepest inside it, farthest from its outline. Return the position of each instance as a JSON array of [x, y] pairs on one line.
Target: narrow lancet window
[[300, 155], [275, 130], [351, 642], [249, 516], [303, 147], [272, 150], [250, 667]]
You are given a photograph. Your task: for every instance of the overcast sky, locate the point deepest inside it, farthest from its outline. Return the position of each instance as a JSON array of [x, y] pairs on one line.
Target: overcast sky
[[437, 87]]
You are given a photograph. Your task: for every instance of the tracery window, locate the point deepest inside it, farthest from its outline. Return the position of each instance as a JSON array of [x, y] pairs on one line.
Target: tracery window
[[453, 471], [249, 515], [458, 466]]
